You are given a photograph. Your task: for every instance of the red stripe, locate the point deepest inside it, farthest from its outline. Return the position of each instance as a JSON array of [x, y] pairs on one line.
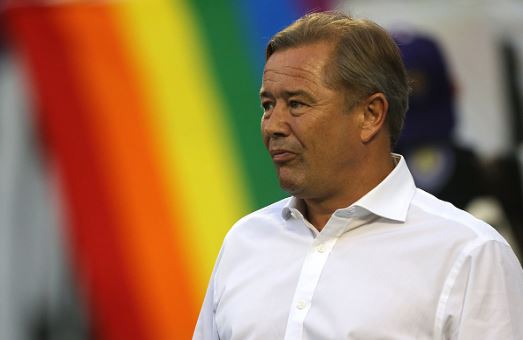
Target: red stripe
[[92, 220]]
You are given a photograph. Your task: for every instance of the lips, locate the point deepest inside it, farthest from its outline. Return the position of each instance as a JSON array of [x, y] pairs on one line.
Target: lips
[[281, 155]]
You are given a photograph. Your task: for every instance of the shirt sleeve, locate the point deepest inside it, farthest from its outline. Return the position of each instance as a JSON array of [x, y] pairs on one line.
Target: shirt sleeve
[[206, 326], [486, 298]]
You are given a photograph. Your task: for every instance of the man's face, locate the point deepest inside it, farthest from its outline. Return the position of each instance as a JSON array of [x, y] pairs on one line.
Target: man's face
[[313, 140]]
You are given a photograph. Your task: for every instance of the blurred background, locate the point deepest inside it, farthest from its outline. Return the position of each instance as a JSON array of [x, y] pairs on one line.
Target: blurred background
[[129, 144]]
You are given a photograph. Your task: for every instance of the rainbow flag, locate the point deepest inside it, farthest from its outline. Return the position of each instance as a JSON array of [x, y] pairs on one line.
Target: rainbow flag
[[150, 113]]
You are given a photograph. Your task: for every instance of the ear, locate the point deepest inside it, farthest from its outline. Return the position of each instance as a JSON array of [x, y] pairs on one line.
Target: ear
[[375, 111]]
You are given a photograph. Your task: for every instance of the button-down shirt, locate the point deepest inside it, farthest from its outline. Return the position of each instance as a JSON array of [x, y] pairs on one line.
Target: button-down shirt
[[396, 264]]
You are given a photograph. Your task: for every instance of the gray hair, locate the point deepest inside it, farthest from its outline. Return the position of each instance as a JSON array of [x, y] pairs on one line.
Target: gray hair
[[365, 60]]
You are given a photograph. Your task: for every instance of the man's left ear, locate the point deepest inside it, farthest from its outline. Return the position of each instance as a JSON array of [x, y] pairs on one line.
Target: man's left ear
[[375, 111]]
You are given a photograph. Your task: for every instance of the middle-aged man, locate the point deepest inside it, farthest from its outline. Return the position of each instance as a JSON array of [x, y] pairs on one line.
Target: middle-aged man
[[357, 252]]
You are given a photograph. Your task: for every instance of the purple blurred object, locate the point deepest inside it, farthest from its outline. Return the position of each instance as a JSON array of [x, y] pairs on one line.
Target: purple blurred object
[[431, 116]]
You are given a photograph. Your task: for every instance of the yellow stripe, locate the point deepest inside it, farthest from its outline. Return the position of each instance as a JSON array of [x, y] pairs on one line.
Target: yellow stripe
[[193, 139]]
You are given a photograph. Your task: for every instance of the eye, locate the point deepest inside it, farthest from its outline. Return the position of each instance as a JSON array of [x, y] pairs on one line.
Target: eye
[[267, 105], [297, 107], [294, 104]]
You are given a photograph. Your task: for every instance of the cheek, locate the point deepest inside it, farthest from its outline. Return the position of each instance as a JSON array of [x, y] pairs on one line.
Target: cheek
[[327, 135], [333, 143], [308, 131]]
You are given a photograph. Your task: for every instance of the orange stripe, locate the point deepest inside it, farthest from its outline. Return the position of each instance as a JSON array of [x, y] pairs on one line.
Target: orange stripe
[[153, 235]]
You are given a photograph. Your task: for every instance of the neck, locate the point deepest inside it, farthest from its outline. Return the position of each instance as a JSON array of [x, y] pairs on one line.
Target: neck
[[319, 210]]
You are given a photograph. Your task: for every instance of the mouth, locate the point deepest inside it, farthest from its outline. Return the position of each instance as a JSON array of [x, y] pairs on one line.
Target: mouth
[[282, 156]]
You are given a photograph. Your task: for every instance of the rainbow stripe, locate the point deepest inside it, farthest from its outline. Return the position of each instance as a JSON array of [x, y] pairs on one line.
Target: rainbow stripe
[[149, 109]]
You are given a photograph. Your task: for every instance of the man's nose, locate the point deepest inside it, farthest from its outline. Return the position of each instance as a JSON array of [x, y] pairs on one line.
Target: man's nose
[[275, 123]]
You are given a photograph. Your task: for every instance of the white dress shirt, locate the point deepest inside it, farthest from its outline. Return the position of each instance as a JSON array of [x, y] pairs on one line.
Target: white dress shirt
[[397, 264]]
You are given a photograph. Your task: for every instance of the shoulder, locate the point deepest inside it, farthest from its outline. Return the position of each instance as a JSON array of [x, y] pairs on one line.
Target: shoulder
[[457, 223], [250, 235], [260, 221]]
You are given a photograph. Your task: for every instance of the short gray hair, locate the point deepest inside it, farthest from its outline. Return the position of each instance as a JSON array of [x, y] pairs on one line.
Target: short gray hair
[[365, 60]]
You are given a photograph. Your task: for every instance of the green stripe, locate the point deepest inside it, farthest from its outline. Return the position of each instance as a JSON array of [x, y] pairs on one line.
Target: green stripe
[[237, 80]]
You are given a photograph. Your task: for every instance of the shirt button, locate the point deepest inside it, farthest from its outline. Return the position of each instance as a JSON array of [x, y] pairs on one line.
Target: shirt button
[[321, 248], [301, 305]]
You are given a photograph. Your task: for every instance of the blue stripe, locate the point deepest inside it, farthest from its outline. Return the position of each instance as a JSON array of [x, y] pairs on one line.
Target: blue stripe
[[262, 19]]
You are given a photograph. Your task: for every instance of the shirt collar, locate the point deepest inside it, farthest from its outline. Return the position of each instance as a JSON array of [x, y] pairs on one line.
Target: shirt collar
[[389, 199], [293, 208]]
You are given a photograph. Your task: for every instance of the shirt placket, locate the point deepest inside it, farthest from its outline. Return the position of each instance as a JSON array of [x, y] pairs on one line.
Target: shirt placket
[[309, 276]]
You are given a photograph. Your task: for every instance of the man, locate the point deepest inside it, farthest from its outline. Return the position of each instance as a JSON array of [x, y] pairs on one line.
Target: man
[[357, 252]]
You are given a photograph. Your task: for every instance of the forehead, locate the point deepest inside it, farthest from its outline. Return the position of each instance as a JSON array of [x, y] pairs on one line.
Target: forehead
[[304, 65]]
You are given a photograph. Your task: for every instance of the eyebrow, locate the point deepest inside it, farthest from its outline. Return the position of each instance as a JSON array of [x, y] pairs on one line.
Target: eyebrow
[[299, 93], [265, 94], [288, 94]]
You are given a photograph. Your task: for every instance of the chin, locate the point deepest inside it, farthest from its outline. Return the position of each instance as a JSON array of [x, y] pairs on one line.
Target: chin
[[291, 181], [291, 187]]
